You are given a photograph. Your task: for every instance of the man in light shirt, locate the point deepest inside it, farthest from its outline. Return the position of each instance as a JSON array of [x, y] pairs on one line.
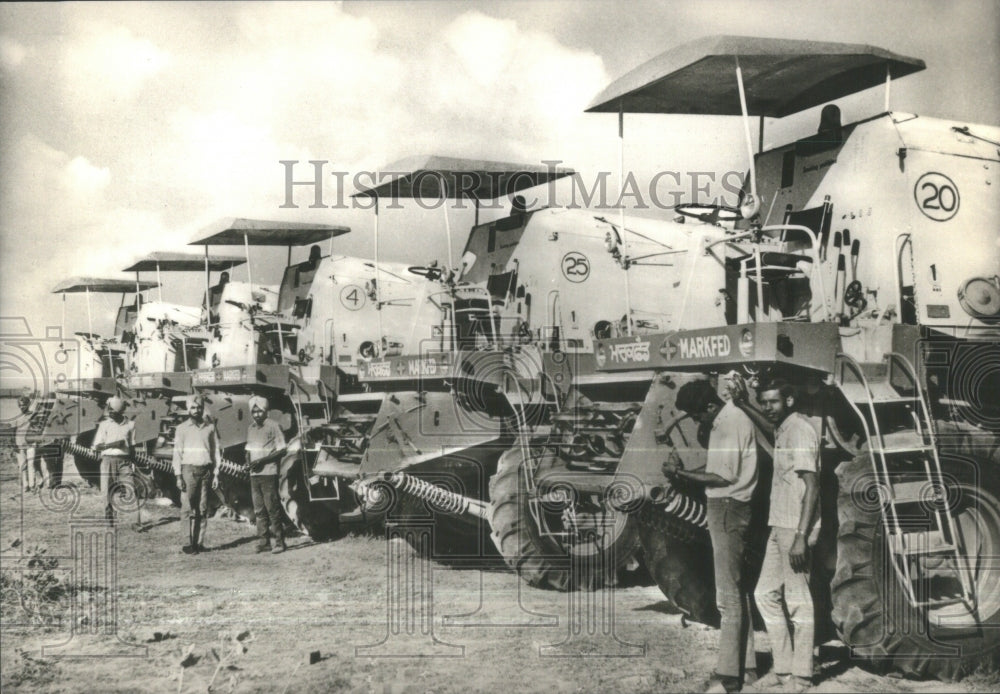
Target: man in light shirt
[[24, 451], [196, 458], [265, 445], [783, 587], [114, 442], [729, 478]]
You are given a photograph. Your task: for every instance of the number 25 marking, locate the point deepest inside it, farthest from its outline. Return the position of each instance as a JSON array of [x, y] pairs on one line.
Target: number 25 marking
[[575, 266]]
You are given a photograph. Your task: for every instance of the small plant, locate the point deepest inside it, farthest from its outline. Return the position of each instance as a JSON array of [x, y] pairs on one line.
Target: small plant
[[33, 590]]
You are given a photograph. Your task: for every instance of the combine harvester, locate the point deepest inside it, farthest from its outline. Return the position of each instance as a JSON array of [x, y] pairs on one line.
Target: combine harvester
[[875, 289], [166, 342], [154, 344], [299, 346], [100, 366], [510, 433]]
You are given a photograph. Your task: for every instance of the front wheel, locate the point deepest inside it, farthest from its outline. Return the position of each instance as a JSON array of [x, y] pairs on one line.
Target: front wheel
[[576, 542], [679, 558], [946, 638], [319, 518]]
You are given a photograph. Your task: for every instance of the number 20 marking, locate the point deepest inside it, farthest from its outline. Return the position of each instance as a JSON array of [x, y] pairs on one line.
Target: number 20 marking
[[937, 196]]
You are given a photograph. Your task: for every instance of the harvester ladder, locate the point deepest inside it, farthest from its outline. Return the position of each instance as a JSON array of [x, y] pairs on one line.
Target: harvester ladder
[[873, 398]]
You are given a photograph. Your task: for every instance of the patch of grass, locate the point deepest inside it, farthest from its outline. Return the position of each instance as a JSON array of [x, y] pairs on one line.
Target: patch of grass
[[34, 591]]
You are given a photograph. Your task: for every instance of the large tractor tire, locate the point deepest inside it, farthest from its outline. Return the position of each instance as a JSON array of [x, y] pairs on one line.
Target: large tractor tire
[[870, 608], [455, 542], [88, 468], [538, 556], [319, 519], [679, 558]]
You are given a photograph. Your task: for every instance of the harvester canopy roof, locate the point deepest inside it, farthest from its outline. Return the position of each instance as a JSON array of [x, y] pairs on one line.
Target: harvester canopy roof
[[79, 285], [168, 261], [422, 177], [781, 77], [261, 232]]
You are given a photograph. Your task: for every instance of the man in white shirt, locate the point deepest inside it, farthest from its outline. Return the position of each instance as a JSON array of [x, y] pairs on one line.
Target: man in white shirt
[[730, 477], [783, 587], [114, 441], [24, 450], [196, 457]]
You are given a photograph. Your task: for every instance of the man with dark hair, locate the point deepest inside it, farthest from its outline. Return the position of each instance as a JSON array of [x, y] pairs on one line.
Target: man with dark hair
[[730, 477], [197, 452], [783, 587]]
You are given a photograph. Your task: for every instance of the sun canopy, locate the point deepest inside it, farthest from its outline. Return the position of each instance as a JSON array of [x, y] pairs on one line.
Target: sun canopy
[[75, 285], [167, 261], [259, 232], [422, 177], [781, 77]]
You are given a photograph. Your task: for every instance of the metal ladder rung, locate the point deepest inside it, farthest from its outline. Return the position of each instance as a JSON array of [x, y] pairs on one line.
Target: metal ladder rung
[[923, 542], [942, 602], [909, 492], [908, 441], [882, 393]]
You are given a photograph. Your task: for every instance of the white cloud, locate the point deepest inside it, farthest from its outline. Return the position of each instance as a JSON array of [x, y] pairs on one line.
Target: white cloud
[[12, 53], [105, 65]]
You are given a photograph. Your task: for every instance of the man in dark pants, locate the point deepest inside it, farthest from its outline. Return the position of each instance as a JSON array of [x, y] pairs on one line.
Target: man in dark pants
[[196, 465], [729, 477], [265, 445]]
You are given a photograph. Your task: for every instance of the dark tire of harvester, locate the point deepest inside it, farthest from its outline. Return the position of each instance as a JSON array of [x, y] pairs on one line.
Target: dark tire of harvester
[[88, 468], [678, 556], [319, 519], [539, 559], [870, 609], [454, 542]]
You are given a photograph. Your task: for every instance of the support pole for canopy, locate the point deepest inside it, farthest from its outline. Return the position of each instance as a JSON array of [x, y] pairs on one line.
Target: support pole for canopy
[[138, 295], [378, 283], [447, 224], [246, 247], [62, 334], [90, 320], [760, 136], [746, 131], [159, 289], [621, 200], [208, 288]]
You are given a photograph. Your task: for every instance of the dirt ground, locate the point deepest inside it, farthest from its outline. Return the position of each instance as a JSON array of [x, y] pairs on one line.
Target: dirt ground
[[358, 614]]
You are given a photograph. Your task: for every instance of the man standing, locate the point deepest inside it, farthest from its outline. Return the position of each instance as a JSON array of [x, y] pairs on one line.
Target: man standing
[[730, 477], [114, 441], [783, 587], [25, 451], [196, 458], [265, 445]]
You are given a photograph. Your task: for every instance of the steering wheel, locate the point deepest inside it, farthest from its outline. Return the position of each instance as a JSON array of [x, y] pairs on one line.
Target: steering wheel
[[431, 273], [709, 213]]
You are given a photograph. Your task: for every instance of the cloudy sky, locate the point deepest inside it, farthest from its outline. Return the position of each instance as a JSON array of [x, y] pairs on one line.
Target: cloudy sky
[[126, 128]]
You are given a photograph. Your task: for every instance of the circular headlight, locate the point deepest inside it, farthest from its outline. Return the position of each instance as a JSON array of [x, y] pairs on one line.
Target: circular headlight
[[980, 297]]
